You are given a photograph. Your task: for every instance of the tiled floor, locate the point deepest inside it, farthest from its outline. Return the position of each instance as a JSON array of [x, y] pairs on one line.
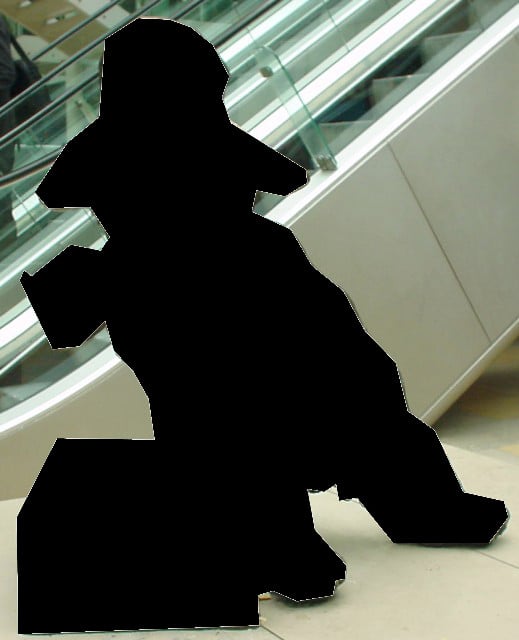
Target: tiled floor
[[392, 592]]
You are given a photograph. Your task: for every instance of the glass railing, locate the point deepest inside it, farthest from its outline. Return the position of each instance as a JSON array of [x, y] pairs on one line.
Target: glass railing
[[26, 359], [216, 19], [310, 115], [40, 234], [302, 36], [76, 105], [48, 132], [211, 17], [314, 113], [83, 63], [43, 367], [420, 46]]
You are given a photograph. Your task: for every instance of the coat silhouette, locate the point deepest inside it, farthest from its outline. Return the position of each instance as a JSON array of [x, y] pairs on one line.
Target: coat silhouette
[[261, 381]]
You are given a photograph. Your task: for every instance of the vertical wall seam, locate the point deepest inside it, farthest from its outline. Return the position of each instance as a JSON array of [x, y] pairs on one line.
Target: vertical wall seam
[[435, 235]]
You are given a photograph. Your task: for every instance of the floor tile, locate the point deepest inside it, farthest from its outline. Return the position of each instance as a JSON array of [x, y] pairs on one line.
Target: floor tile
[[400, 592], [490, 477], [392, 592]]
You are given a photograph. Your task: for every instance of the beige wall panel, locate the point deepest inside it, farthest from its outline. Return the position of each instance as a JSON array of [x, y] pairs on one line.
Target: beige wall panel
[[369, 237], [461, 158], [114, 407]]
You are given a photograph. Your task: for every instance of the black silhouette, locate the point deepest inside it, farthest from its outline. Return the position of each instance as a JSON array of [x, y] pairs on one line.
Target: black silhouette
[[261, 381]]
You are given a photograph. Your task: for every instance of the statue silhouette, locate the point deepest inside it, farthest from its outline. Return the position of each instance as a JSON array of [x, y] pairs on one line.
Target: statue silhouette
[[261, 381]]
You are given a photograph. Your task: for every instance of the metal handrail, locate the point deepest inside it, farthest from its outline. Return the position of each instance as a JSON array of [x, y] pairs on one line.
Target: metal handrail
[[11, 135], [29, 169]]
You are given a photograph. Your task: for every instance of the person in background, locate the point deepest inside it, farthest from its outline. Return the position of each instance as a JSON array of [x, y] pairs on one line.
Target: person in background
[[7, 78], [7, 225]]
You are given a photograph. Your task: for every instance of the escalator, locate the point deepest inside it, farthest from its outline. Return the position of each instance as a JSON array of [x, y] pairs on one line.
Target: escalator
[[318, 106], [41, 234], [74, 105], [74, 84], [40, 139], [421, 243]]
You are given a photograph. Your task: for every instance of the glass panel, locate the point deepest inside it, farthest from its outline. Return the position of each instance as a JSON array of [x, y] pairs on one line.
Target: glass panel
[[44, 366], [39, 234], [488, 11], [395, 67], [299, 34], [318, 153], [301, 80], [210, 17], [61, 124], [20, 215], [306, 38], [62, 73], [215, 16], [42, 234], [367, 73]]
